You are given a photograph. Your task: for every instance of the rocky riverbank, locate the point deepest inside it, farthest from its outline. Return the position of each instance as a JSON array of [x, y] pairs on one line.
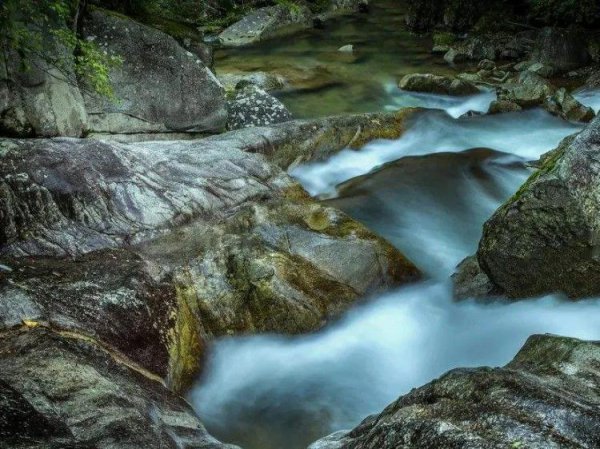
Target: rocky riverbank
[[135, 230]]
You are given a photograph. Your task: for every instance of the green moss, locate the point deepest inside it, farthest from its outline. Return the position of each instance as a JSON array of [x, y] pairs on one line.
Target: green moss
[[548, 164], [444, 38], [186, 345]]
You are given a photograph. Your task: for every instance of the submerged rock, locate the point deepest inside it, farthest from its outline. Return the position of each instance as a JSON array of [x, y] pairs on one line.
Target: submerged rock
[[64, 390], [265, 23], [252, 106], [149, 98], [436, 84], [547, 397], [544, 239]]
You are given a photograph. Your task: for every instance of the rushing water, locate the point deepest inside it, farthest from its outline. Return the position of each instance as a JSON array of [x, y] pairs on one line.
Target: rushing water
[[430, 200], [429, 193]]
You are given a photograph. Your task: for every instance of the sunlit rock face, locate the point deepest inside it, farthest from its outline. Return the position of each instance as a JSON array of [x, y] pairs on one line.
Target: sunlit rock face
[[546, 397]]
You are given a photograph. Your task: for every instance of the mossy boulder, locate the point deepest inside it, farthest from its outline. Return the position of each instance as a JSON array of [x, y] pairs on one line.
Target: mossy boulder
[[544, 238], [546, 397], [436, 84]]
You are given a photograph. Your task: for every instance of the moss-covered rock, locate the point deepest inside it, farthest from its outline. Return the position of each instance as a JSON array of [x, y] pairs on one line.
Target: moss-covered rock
[[544, 238]]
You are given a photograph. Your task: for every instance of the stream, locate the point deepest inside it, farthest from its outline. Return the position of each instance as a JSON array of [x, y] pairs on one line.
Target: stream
[[428, 193]]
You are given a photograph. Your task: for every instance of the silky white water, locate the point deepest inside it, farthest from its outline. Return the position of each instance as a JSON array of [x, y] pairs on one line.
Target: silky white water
[[272, 391]]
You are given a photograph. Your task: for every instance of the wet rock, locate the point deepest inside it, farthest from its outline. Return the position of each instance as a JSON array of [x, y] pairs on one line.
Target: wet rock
[[472, 49], [41, 101], [61, 390], [149, 97], [265, 80], [469, 281], [501, 106], [561, 49], [68, 197], [436, 84], [546, 397], [265, 23], [117, 298], [252, 106], [543, 238], [530, 90], [544, 70], [593, 81]]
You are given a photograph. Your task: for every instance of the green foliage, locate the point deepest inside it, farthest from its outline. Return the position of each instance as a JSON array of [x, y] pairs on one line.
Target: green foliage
[[566, 12], [291, 5], [44, 31]]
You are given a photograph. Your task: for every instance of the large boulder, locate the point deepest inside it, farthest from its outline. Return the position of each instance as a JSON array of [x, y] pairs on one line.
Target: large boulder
[[547, 397], [149, 97], [41, 101], [544, 238], [437, 84], [562, 49], [214, 241], [64, 390], [265, 23], [251, 106]]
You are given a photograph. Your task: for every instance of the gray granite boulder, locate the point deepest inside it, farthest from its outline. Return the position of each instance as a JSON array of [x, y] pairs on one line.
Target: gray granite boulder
[[547, 397], [252, 106], [544, 238], [265, 23], [160, 86]]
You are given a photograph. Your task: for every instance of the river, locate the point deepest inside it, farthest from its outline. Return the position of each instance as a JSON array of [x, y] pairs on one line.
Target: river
[[428, 193]]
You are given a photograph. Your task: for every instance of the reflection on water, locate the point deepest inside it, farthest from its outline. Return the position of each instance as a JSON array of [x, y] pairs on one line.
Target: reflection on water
[[324, 81]]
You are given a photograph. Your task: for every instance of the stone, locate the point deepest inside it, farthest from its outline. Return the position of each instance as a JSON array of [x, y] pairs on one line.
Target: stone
[[530, 90], [472, 49], [469, 281], [436, 84], [501, 106], [265, 23], [64, 390], [265, 80], [148, 97], [252, 106], [562, 49], [545, 398], [543, 239], [42, 101]]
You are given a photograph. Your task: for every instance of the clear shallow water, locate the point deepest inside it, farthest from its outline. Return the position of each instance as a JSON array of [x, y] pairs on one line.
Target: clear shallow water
[[324, 81]]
